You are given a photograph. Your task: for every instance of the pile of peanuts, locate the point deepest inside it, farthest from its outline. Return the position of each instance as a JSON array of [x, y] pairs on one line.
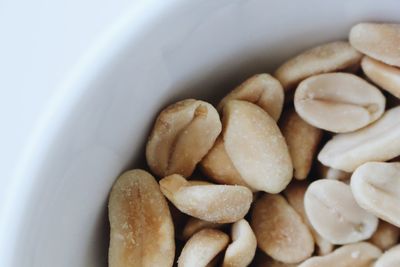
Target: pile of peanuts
[[240, 184]]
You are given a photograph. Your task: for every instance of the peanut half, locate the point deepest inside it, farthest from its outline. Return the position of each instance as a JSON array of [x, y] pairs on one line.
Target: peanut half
[[386, 236], [142, 232], [202, 247], [280, 231], [302, 140], [243, 247], [194, 225], [262, 90], [256, 147], [219, 167], [390, 258], [208, 202], [338, 102], [376, 188], [325, 58], [379, 141], [295, 195], [360, 254], [335, 215], [385, 76], [182, 135], [377, 40]]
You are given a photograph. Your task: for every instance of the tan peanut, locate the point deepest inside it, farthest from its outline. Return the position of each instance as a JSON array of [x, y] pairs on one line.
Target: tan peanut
[[376, 188], [360, 254], [295, 195], [338, 102], [241, 251], [182, 135], [379, 141], [385, 76], [262, 90], [386, 236], [302, 140], [331, 173], [218, 166], [335, 215], [142, 232], [208, 202], [377, 40], [390, 258], [325, 58], [194, 225], [280, 231], [202, 247], [256, 147]]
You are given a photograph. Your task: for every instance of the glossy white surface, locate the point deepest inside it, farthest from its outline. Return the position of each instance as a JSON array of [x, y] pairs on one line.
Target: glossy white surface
[[96, 126]]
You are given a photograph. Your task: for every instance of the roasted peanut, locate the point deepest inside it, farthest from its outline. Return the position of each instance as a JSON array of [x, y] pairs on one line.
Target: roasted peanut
[[218, 166], [379, 141], [295, 195], [335, 215], [194, 225], [256, 147], [376, 188], [360, 254], [390, 258], [302, 140], [182, 135], [377, 40], [338, 102], [262, 90], [202, 247], [209, 202], [325, 58], [142, 233], [243, 247], [280, 231], [386, 236], [385, 76]]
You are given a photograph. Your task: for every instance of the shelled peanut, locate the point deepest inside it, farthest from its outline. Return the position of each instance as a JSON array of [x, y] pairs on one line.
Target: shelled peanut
[[248, 206]]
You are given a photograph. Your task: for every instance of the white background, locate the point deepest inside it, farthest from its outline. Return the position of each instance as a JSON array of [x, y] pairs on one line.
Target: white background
[[40, 43]]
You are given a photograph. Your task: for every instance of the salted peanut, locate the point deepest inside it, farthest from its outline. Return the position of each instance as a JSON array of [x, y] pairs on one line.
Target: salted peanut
[[182, 135], [256, 147], [241, 251], [333, 174], [208, 202], [377, 40], [360, 254], [379, 141], [335, 215], [338, 102], [218, 166], [295, 195], [142, 232], [280, 231], [302, 140], [194, 225], [202, 247], [376, 188], [385, 76], [386, 236], [262, 260], [328, 57], [390, 258], [262, 90]]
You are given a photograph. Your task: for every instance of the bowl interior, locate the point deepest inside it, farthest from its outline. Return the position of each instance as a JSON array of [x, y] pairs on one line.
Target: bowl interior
[[198, 49]]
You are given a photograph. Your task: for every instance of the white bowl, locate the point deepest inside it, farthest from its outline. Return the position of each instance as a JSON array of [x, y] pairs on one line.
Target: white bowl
[[97, 127]]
